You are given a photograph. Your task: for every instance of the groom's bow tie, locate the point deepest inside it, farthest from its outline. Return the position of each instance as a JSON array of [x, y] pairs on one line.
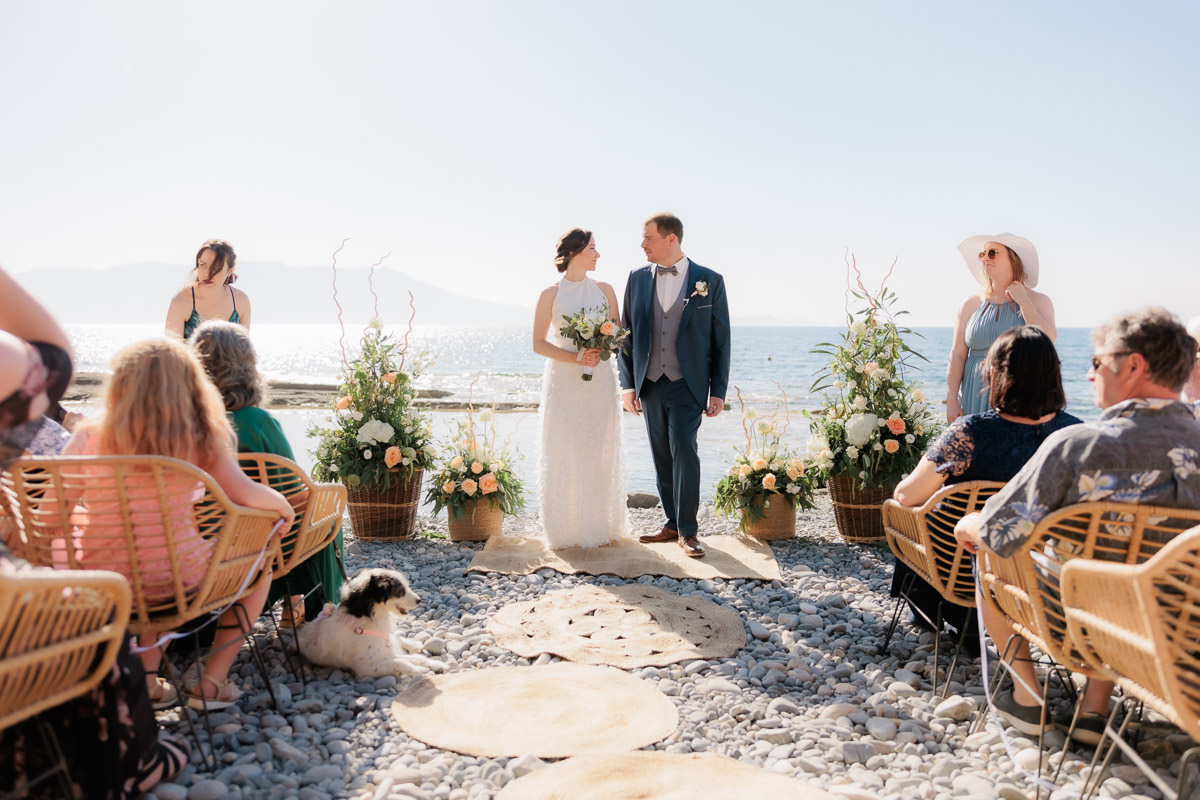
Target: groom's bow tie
[[668, 271]]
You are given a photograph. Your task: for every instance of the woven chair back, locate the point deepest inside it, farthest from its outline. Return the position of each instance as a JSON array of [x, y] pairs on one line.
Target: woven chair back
[[922, 537], [1139, 625], [185, 548], [319, 507], [1026, 587], [59, 635]]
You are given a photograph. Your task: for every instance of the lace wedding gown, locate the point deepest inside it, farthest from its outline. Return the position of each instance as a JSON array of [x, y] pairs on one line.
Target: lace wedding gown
[[581, 474]]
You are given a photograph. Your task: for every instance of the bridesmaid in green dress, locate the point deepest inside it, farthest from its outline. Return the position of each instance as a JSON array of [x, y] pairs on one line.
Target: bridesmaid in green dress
[[232, 364]]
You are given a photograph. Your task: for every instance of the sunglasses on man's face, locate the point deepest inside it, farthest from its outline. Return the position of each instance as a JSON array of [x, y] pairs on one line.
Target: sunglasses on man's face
[[989, 253]]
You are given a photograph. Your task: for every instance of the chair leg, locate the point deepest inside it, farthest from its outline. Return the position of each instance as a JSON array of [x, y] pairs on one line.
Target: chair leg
[[247, 625], [1184, 764], [901, 602], [958, 646]]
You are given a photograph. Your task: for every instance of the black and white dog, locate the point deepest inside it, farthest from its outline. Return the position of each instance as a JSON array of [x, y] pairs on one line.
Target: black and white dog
[[358, 634]]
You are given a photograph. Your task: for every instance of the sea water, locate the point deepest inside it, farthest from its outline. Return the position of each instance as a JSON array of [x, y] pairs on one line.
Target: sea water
[[497, 364]]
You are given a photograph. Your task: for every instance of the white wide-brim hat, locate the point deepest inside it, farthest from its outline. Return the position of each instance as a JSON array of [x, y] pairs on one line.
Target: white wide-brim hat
[[973, 246]]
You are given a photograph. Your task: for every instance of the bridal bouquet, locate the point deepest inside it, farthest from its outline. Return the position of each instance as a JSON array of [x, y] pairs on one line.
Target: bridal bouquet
[[591, 328], [876, 425], [476, 468], [378, 433], [764, 472]]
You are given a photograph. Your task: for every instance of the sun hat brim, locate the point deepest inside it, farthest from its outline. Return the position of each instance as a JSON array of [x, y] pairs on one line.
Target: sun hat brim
[[972, 246]]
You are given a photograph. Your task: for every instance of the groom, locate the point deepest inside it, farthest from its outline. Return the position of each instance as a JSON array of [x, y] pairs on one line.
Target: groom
[[674, 367]]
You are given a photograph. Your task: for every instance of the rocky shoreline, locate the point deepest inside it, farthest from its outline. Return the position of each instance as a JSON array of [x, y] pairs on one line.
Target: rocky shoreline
[[810, 696]]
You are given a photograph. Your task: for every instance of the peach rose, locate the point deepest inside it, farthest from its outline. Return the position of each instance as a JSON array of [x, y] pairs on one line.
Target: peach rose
[[607, 328], [870, 367], [476, 467], [793, 473], [769, 480], [891, 445], [389, 378], [896, 426], [456, 462], [488, 483], [759, 463], [392, 456], [448, 487], [469, 486], [744, 470], [343, 403]]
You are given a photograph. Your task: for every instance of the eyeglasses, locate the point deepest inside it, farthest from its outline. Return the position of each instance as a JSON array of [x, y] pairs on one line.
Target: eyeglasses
[[1096, 362], [989, 253]]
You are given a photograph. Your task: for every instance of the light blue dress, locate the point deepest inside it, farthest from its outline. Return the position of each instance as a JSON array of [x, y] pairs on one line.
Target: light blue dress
[[988, 322]]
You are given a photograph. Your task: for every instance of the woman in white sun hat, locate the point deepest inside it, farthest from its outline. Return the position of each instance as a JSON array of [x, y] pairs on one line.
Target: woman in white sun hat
[[1007, 268]]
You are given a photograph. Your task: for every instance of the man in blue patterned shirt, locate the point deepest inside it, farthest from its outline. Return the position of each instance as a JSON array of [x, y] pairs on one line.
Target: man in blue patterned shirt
[[1145, 448]]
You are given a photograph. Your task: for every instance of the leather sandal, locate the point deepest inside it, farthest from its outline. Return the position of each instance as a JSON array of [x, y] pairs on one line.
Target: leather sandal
[[163, 695], [227, 695]]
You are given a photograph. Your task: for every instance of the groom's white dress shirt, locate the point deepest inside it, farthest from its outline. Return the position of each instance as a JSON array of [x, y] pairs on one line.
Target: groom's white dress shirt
[[667, 285]]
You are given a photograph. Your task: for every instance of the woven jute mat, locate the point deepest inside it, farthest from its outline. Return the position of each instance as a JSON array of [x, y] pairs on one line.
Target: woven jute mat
[[727, 557], [657, 775], [551, 711], [625, 626]]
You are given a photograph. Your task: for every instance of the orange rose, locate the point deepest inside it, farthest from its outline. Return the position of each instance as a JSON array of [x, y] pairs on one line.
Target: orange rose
[[769, 480], [793, 473], [448, 487], [891, 445], [392, 456], [476, 467], [488, 483], [607, 328], [389, 378], [896, 426], [469, 486], [343, 402]]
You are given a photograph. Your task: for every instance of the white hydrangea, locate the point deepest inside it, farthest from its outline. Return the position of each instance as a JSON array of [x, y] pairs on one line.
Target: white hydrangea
[[375, 432], [859, 428]]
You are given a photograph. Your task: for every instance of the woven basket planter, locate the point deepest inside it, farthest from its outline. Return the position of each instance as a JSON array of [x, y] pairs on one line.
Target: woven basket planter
[[389, 515], [777, 522], [480, 520], [858, 512]]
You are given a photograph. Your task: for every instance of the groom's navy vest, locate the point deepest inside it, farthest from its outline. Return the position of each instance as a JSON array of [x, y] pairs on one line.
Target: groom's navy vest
[[664, 360]]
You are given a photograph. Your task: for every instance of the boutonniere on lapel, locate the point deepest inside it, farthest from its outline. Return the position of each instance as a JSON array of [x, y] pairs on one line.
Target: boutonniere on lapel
[[701, 289]]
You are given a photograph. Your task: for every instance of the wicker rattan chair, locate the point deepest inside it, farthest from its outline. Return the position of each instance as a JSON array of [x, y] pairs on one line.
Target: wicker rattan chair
[[59, 635], [1139, 626], [922, 537]]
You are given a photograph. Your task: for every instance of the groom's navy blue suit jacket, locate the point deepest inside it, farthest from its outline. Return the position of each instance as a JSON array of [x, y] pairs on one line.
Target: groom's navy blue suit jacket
[[703, 345]]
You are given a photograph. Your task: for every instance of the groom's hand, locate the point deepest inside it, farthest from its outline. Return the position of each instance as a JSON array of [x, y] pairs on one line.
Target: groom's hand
[[630, 403], [715, 404]]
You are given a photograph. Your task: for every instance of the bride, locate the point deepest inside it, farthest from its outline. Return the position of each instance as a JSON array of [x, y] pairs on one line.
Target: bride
[[581, 475]]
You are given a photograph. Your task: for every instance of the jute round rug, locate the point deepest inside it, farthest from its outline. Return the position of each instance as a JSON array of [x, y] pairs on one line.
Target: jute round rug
[[632, 625], [551, 711], [657, 775]]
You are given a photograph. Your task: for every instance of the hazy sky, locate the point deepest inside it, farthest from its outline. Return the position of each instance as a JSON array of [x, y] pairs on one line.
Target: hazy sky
[[464, 137]]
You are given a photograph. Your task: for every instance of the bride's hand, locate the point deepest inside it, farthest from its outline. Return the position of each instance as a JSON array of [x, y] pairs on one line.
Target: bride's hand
[[591, 357]]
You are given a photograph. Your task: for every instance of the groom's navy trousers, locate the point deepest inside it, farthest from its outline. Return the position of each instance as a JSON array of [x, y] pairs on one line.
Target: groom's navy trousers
[[673, 421]]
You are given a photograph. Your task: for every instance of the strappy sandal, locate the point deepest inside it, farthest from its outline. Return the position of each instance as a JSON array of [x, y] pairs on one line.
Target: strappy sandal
[[227, 695], [163, 695], [169, 759]]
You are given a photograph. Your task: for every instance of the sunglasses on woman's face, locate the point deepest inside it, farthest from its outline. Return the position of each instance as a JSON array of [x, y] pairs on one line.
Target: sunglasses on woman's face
[[989, 253]]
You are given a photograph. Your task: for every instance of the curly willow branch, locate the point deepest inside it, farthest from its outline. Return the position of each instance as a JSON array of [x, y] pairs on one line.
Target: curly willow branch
[[745, 430], [787, 416], [371, 284], [404, 346], [341, 326], [471, 408]]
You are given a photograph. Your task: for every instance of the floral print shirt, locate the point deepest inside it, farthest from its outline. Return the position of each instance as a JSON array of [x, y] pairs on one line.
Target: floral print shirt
[[1144, 450]]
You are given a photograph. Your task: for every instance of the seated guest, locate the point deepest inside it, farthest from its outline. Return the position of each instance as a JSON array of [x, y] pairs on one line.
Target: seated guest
[[1145, 448], [160, 402], [229, 359], [1027, 400], [1191, 389], [108, 736]]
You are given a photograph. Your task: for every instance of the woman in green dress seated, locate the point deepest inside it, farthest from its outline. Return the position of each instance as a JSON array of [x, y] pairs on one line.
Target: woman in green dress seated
[[232, 364]]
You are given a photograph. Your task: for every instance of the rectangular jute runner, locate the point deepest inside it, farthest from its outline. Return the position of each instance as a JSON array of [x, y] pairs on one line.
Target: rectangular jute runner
[[727, 557]]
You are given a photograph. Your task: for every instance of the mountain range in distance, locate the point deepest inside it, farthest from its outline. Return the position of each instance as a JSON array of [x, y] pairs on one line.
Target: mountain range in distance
[[140, 293]]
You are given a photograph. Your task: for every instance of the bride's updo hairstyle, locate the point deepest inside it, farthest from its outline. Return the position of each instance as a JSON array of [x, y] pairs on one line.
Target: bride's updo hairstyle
[[570, 244]]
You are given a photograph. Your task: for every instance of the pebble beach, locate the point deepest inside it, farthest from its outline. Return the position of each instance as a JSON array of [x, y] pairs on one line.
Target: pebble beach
[[811, 696]]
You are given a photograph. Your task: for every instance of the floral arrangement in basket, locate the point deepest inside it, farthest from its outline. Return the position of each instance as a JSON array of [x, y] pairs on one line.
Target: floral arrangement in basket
[[876, 425], [766, 471], [476, 468], [379, 435], [591, 328]]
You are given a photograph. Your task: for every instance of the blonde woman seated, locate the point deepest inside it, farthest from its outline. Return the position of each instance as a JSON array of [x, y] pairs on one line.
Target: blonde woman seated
[[229, 359], [1027, 400], [160, 402]]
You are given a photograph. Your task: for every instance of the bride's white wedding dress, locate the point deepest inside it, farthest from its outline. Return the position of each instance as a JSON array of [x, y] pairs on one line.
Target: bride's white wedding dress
[[581, 474]]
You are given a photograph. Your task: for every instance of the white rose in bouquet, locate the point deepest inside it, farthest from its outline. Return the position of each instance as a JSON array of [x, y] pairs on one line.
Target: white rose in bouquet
[[376, 432], [859, 429]]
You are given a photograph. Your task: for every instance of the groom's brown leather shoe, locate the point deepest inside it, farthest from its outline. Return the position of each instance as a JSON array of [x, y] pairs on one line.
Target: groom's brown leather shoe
[[665, 535], [691, 545]]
